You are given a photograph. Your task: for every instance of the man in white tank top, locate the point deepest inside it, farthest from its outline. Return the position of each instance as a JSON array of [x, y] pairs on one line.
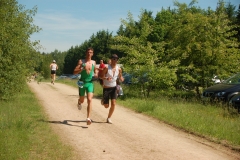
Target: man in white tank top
[[110, 75], [53, 67]]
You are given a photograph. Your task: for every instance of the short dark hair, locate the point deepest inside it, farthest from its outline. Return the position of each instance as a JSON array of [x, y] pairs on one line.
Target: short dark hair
[[89, 48], [114, 56]]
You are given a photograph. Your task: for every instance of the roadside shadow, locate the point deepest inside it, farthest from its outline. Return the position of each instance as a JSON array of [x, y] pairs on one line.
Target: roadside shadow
[[85, 121], [65, 122]]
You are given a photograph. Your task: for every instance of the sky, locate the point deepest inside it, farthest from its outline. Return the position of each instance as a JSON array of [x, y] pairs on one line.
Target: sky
[[68, 23]]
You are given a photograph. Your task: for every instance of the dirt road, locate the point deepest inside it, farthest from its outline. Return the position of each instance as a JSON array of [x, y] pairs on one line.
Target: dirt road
[[132, 136]]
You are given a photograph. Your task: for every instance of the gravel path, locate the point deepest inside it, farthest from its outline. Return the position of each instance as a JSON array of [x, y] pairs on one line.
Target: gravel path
[[132, 136]]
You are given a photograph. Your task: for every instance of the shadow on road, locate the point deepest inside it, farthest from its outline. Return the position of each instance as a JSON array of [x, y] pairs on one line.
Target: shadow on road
[[65, 122]]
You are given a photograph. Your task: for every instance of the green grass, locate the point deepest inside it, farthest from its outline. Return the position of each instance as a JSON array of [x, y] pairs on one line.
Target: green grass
[[215, 123], [207, 121], [24, 133]]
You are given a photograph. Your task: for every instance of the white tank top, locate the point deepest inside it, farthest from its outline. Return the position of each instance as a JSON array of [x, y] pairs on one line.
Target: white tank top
[[114, 77], [54, 67]]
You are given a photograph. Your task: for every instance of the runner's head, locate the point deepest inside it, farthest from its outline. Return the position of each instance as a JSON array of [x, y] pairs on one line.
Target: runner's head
[[114, 57], [89, 52]]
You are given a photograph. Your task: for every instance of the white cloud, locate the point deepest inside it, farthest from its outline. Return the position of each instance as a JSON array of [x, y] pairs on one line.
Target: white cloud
[[61, 30]]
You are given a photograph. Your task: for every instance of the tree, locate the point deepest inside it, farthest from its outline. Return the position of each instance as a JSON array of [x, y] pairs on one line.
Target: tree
[[203, 44], [238, 24], [100, 42], [142, 58], [17, 52]]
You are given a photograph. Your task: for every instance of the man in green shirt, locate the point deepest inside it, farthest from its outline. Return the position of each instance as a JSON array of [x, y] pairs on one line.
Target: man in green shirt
[[87, 70]]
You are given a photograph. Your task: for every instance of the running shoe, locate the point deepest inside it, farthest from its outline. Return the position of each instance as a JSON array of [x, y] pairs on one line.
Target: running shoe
[[109, 121], [89, 121], [79, 106]]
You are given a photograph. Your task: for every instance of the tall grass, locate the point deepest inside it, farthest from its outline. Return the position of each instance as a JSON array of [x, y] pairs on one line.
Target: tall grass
[[24, 133], [212, 122], [207, 121]]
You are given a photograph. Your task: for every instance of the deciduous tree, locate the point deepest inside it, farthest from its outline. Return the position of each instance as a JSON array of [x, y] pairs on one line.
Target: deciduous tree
[[16, 49]]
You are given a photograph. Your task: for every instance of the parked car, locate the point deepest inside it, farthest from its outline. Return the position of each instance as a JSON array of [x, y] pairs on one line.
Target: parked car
[[127, 78], [223, 91], [68, 76], [235, 102], [63, 76], [131, 78], [74, 76]]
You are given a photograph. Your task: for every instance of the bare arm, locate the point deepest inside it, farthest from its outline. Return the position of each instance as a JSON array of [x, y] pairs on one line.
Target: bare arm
[[102, 75], [95, 70], [78, 68], [120, 75], [104, 72]]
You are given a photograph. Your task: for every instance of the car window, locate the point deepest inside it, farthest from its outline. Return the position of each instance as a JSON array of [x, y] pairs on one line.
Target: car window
[[233, 80]]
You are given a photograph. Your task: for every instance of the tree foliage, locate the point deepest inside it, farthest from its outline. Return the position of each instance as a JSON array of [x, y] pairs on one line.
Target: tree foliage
[[180, 48], [17, 52], [204, 45], [100, 42], [142, 57]]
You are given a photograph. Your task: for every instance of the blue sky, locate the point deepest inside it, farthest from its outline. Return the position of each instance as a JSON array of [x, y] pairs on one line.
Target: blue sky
[[67, 23]]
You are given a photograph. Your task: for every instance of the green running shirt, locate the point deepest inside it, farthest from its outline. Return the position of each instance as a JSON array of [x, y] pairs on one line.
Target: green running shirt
[[87, 77]]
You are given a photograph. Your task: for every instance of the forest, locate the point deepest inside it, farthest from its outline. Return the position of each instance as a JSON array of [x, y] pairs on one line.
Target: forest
[[174, 49]]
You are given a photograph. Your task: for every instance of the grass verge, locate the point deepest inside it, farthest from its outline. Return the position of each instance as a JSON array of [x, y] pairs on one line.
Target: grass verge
[[210, 122], [24, 133], [213, 123]]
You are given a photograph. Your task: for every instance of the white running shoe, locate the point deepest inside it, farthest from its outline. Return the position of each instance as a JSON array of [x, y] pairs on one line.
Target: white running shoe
[[109, 121], [89, 121]]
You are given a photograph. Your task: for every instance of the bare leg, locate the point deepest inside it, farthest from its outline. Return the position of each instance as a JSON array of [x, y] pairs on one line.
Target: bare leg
[[102, 101], [89, 101], [81, 99], [51, 78], [89, 107], [54, 75], [106, 105], [112, 108]]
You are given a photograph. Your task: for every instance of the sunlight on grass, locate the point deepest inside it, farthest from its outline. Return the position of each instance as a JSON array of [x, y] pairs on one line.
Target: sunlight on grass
[[214, 123], [24, 133], [192, 117]]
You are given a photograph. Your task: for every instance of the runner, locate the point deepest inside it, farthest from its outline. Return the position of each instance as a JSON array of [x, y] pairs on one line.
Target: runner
[[87, 69], [53, 67], [109, 76], [100, 70]]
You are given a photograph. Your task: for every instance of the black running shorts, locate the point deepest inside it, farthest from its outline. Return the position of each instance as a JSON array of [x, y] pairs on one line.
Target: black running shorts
[[53, 71], [109, 93]]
